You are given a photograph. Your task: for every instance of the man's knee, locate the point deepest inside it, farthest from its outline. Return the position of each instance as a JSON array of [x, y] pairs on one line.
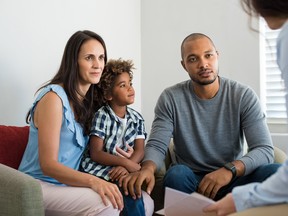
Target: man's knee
[[268, 170], [261, 173], [180, 177]]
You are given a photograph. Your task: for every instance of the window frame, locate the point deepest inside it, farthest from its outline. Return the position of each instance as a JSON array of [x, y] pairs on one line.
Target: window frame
[[275, 124]]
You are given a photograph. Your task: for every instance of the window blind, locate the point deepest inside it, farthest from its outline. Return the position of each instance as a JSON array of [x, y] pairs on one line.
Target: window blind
[[274, 94]]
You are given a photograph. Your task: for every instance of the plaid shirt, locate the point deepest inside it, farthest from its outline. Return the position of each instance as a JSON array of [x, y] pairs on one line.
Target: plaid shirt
[[108, 127]]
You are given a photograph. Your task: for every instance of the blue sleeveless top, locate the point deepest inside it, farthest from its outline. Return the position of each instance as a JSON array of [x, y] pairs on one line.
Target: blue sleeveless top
[[72, 140]]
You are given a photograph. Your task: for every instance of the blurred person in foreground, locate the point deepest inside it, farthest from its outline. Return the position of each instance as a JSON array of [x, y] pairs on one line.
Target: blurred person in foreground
[[273, 190]]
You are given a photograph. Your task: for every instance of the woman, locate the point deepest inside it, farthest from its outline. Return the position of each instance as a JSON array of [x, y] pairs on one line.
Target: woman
[[274, 189], [60, 120]]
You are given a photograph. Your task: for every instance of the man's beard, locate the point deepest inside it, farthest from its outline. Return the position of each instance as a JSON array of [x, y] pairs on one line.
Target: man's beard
[[206, 82]]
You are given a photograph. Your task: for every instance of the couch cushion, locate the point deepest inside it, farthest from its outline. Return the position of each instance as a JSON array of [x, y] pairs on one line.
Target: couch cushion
[[13, 141]]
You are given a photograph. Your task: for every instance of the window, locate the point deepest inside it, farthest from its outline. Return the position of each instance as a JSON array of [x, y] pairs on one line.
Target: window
[[273, 94]]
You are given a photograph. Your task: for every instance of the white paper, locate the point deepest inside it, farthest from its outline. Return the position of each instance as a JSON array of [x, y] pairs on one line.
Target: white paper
[[177, 203]]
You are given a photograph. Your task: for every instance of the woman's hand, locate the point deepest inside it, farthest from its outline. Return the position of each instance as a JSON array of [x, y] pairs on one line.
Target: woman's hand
[[108, 190], [222, 207]]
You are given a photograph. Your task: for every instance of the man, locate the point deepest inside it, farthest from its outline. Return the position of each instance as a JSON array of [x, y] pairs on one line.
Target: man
[[207, 117]]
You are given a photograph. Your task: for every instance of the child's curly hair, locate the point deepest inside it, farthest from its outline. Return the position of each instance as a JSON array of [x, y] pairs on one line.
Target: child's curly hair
[[112, 70]]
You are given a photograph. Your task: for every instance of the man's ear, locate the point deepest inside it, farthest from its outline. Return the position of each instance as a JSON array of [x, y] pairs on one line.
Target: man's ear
[[183, 65]]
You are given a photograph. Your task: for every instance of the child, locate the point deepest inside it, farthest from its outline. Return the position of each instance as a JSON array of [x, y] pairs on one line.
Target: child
[[117, 135]]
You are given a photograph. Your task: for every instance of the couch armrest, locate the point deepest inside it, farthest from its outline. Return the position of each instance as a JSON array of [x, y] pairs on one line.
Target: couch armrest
[[279, 155], [158, 191], [20, 194]]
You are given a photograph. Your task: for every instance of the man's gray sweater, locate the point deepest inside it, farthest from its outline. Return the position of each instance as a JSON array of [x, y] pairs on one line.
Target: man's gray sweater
[[209, 133]]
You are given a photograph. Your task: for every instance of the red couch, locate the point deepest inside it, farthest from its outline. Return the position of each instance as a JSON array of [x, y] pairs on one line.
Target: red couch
[[13, 141], [20, 194]]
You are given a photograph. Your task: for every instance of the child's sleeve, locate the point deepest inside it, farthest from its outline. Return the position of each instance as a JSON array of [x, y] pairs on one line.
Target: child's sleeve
[[98, 125]]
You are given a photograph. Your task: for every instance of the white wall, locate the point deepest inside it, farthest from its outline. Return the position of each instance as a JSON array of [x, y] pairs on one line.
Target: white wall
[[34, 33], [33, 36], [165, 23]]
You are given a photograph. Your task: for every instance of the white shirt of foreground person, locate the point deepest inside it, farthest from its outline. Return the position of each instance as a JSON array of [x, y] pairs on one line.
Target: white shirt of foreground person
[[275, 189]]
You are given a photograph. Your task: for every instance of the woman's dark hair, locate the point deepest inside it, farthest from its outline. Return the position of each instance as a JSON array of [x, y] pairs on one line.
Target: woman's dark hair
[[264, 8], [68, 75]]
